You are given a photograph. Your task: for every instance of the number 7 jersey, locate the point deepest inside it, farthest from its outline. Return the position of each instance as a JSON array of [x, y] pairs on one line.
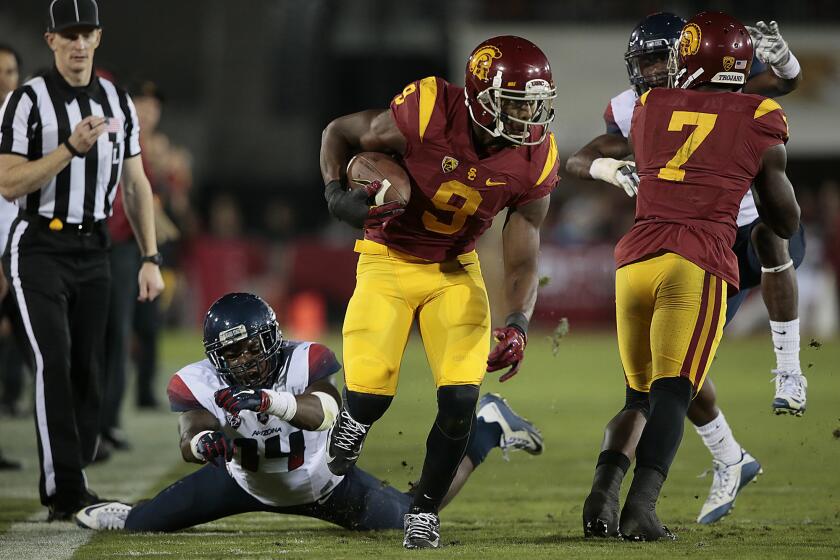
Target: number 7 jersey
[[697, 152], [455, 194]]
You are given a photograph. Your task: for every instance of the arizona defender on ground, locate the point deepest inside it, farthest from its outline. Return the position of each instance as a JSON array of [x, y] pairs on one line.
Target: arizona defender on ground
[[698, 148], [256, 412], [470, 152], [756, 246]]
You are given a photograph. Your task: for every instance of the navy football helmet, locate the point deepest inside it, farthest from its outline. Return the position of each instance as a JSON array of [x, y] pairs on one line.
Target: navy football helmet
[[648, 49], [242, 340]]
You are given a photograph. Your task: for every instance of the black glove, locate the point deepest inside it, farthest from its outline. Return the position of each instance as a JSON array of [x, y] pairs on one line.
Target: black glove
[[237, 398], [354, 206], [214, 446]]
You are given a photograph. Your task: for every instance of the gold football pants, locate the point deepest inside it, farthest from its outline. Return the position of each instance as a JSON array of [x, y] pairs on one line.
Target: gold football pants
[[450, 302], [670, 315]]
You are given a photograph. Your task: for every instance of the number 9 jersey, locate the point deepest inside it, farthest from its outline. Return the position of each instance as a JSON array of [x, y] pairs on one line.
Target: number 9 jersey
[[697, 152], [455, 194], [278, 464]]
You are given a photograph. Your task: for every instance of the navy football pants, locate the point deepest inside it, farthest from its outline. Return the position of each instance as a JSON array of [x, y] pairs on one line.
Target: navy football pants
[[360, 502]]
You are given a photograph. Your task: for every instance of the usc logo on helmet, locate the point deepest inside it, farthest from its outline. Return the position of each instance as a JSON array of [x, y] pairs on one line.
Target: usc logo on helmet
[[481, 60], [690, 40], [728, 62]]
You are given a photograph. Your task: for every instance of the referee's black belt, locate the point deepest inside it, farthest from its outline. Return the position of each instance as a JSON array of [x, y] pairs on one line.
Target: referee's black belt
[[85, 227]]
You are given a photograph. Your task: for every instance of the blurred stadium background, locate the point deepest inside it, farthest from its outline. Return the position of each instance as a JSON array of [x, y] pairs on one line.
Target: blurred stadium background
[[247, 87]]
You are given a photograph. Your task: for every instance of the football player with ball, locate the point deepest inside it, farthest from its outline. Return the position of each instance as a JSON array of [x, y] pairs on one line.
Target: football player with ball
[[470, 152]]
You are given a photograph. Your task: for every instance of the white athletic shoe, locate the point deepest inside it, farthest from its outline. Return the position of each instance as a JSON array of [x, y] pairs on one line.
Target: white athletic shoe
[[422, 530], [727, 483], [790, 393], [109, 516], [517, 432]]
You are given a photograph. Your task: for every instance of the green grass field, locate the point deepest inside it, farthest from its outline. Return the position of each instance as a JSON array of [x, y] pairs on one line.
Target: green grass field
[[529, 507]]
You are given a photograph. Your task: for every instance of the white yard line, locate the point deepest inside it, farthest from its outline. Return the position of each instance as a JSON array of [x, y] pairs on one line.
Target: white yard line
[[128, 476]]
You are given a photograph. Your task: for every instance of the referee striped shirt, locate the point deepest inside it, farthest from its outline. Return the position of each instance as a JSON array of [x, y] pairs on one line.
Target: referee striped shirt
[[40, 115]]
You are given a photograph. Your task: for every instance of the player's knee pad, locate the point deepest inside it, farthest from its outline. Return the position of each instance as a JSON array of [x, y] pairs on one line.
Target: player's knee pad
[[680, 387], [456, 408], [364, 407], [636, 400]]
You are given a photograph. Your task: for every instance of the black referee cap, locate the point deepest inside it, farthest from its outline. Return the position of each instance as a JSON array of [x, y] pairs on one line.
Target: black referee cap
[[64, 14]]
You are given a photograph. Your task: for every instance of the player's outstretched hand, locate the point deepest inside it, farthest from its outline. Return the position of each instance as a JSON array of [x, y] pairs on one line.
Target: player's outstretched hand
[[213, 446], [770, 46], [508, 352], [355, 206], [237, 398]]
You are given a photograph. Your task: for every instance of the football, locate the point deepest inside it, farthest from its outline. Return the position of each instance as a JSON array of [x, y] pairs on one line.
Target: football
[[374, 166]]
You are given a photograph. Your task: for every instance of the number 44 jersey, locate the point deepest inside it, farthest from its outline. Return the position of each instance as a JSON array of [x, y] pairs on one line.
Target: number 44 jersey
[[275, 462], [455, 194], [697, 152]]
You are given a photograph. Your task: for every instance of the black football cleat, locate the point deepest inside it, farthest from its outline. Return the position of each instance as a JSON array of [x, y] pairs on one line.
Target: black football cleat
[[600, 510], [641, 524], [600, 516], [639, 521], [344, 443]]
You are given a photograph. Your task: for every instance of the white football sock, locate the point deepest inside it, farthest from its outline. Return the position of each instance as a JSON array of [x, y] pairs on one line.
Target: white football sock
[[786, 345], [719, 440]]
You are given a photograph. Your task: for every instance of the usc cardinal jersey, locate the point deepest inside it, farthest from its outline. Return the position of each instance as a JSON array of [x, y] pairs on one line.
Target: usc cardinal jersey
[[697, 152], [278, 464], [454, 194], [619, 115]]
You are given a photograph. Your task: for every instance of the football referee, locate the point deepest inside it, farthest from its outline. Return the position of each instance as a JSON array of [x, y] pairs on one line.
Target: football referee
[[66, 139]]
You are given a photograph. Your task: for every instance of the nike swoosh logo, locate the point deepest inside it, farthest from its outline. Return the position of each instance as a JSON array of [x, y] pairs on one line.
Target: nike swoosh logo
[[491, 183], [778, 332], [777, 347], [245, 392]]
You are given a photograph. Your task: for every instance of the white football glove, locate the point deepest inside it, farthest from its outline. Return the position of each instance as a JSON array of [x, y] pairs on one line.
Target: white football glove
[[770, 47], [618, 172]]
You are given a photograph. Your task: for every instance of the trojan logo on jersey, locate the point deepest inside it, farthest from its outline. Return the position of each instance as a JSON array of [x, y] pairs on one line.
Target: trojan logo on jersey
[[481, 59], [728, 62], [690, 40], [448, 164]]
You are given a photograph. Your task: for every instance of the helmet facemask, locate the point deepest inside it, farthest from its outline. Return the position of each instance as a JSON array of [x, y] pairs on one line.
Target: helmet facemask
[[504, 104], [674, 70], [648, 69], [252, 361]]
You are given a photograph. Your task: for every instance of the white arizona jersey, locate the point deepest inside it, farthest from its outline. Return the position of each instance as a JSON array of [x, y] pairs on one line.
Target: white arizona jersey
[[278, 464], [618, 116]]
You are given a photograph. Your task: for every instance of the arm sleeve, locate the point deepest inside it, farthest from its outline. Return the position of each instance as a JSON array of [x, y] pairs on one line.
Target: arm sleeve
[[14, 122], [322, 363], [545, 168], [609, 120], [181, 398], [769, 127], [132, 127], [419, 110]]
